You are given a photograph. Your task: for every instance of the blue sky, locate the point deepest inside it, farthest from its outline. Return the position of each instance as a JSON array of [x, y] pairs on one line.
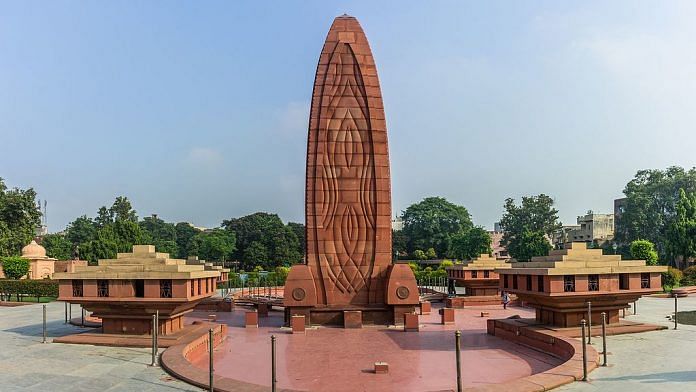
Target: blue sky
[[197, 111]]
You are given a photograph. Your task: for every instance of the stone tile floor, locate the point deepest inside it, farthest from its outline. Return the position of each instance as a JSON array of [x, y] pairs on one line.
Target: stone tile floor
[[649, 361], [28, 365]]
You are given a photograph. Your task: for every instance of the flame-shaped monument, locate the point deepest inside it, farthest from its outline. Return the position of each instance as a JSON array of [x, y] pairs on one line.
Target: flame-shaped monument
[[348, 195]]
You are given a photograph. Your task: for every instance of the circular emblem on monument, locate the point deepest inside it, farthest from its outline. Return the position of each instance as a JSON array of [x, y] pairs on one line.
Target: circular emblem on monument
[[402, 292], [298, 294]]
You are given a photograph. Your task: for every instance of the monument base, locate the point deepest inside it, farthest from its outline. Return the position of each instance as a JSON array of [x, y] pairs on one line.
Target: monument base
[[568, 310], [400, 297], [335, 316]]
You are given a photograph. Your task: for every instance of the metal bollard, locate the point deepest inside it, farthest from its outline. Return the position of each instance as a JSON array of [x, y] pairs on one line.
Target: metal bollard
[[583, 324], [66, 312], [634, 308], [604, 338], [589, 322], [273, 363], [157, 333], [44, 324], [82, 316], [70, 311], [154, 342], [675, 311], [458, 345], [210, 357]]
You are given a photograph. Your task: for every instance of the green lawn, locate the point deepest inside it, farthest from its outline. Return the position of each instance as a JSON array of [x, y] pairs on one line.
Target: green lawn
[[32, 299]]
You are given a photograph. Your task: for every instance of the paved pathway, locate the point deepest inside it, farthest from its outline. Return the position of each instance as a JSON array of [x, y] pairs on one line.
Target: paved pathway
[[28, 365], [650, 361]]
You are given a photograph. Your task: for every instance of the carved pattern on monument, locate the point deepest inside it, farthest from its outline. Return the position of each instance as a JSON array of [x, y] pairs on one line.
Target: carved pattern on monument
[[344, 176]]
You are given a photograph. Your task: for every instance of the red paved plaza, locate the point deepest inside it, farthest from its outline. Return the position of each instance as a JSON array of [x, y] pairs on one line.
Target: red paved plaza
[[340, 359]]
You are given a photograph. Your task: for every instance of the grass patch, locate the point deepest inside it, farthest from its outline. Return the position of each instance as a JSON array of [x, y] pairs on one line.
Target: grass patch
[[29, 298]]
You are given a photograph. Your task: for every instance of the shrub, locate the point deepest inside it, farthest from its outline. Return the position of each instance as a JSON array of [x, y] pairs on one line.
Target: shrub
[[446, 263], [419, 255], [672, 277], [689, 278], [36, 288], [430, 254], [15, 267], [644, 250]]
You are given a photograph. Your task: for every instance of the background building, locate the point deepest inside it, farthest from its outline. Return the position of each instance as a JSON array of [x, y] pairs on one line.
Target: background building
[[590, 227]]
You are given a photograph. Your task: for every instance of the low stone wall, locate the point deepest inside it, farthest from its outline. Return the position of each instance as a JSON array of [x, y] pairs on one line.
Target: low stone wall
[[684, 291], [176, 360], [547, 341]]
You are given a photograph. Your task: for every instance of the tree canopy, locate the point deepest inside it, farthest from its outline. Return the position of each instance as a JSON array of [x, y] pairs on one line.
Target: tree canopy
[[526, 227], [644, 250], [263, 239], [469, 245], [15, 267], [19, 218], [432, 222], [651, 205]]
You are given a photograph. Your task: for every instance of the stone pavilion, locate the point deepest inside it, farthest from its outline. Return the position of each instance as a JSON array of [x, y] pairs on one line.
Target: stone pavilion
[[559, 285], [125, 292], [479, 278]]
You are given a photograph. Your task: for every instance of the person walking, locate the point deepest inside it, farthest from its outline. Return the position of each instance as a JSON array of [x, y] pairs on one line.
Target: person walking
[[506, 299]]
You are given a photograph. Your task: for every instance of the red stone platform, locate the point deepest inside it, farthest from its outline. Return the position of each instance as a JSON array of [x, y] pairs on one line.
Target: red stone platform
[[338, 359]]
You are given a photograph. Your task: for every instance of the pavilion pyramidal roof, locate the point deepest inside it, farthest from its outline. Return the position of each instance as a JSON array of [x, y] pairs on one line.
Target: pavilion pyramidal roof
[[576, 259], [483, 262], [143, 263]]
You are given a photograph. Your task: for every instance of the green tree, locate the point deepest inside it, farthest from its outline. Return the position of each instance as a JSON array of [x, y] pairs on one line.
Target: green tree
[[681, 231], [299, 230], [263, 238], [81, 230], [651, 205], [469, 245], [218, 244], [19, 218], [104, 217], [432, 222], [184, 233], [15, 267], [123, 210], [644, 250], [57, 246], [533, 220], [161, 234], [256, 254], [399, 244], [528, 245]]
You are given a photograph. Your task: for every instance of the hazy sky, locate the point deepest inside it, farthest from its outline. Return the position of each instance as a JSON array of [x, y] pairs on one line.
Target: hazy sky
[[197, 111]]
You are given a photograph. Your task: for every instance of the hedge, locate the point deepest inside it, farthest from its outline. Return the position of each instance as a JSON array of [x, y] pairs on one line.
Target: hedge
[[36, 288]]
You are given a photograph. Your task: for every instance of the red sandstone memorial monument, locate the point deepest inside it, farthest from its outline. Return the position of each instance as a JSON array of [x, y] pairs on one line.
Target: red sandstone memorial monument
[[126, 291], [560, 285], [348, 195]]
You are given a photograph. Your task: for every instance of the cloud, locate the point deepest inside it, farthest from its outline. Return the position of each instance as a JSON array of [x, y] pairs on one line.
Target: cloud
[[204, 157], [293, 119]]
